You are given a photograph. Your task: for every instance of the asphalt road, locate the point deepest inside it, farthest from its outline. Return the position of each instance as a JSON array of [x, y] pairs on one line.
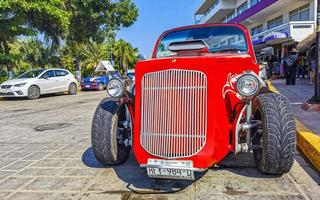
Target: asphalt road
[[45, 153]]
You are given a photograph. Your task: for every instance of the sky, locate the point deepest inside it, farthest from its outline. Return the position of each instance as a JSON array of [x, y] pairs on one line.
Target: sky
[[155, 17]]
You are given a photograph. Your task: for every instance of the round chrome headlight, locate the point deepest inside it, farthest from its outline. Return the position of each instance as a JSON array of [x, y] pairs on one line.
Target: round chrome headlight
[[115, 88], [248, 85]]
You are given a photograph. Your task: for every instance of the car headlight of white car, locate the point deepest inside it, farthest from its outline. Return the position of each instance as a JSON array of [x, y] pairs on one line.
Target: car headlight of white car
[[115, 88], [19, 84], [248, 85]]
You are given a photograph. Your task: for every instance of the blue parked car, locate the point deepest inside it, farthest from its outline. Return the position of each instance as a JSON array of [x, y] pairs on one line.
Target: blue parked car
[[131, 74], [95, 82], [99, 80]]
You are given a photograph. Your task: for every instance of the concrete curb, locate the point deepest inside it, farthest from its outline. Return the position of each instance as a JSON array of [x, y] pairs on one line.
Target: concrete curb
[[308, 142]]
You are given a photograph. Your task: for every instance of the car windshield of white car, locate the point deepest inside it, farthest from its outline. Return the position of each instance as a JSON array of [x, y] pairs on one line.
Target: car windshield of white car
[[218, 39], [31, 74]]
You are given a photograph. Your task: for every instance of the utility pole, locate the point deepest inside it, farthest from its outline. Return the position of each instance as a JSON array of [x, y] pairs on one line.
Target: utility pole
[[316, 97], [111, 58]]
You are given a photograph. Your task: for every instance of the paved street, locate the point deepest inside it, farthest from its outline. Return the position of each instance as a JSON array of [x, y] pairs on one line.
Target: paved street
[[45, 154]]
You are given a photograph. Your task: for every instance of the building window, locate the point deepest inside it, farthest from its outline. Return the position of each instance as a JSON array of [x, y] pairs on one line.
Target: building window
[[300, 14], [254, 2], [243, 7], [257, 30], [275, 22]]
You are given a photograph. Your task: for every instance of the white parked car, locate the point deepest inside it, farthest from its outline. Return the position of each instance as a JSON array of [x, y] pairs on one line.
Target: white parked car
[[36, 82]]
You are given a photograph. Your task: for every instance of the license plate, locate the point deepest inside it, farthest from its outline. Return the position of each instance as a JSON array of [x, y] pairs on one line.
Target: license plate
[[170, 169], [87, 86], [170, 173]]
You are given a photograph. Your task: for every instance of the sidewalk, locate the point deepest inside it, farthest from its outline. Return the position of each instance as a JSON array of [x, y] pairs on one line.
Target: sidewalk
[[297, 95], [308, 126]]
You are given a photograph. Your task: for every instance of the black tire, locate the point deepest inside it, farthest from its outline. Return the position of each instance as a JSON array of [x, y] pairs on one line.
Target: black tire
[[104, 141], [34, 92], [100, 87], [72, 90], [276, 134]]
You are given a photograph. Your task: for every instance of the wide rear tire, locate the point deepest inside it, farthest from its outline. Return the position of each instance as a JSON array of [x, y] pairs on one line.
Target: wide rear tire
[[105, 145], [276, 134]]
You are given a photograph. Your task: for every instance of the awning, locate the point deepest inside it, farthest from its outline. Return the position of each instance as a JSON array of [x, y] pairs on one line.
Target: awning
[[307, 43], [283, 42], [275, 36], [270, 38], [257, 41], [105, 65]]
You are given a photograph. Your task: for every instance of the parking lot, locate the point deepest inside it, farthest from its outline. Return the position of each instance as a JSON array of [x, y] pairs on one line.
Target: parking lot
[[45, 154]]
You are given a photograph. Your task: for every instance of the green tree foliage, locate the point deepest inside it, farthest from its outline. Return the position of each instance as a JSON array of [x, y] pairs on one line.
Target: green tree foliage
[[34, 52], [125, 55], [94, 20], [26, 17], [68, 26]]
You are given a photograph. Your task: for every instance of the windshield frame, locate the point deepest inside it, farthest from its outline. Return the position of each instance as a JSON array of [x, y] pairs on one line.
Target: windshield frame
[[41, 72], [246, 34]]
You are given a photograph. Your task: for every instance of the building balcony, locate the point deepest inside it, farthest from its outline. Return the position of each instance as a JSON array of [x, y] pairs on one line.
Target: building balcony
[[215, 12], [295, 31]]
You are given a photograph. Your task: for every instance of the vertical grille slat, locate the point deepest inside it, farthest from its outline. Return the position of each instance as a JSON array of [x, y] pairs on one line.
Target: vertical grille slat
[[173, 113]]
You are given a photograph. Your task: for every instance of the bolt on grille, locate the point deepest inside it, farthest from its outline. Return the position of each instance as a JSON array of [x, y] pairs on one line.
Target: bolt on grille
[[173, 113]]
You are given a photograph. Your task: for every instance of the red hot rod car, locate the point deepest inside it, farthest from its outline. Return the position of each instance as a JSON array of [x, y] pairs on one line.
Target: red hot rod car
[[196, 100]]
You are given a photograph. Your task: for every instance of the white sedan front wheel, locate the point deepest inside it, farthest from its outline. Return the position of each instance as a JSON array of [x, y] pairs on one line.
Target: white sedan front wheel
[[33, 92], [72, 89]]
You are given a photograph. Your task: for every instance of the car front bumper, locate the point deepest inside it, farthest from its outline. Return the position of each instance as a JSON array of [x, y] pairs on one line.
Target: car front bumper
[[14, 92]]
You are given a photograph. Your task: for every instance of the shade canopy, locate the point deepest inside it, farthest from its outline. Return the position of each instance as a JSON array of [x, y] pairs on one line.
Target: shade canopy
[[307, 43], [105, 65]]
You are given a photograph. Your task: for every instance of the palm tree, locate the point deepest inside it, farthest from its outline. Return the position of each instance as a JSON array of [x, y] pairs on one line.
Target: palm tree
[[125, 55], [93, 53], [34, 52]]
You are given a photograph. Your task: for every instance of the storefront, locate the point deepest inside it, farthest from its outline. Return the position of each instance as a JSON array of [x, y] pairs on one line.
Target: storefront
[[281, 44]]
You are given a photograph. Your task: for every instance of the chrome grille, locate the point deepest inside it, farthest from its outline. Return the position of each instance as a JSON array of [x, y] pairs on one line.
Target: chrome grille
[[173, 113], [6, 86]]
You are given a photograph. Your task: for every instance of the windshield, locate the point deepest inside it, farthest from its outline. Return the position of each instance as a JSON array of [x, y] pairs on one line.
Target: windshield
[[218, 38], [31, 74]]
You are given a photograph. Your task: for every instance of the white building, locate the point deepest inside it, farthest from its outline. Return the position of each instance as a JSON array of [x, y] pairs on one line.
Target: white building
[[276, 23]]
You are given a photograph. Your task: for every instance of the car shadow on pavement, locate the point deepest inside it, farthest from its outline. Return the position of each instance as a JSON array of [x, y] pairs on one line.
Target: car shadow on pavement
[[241, 164], [137, 179], [26, 98]]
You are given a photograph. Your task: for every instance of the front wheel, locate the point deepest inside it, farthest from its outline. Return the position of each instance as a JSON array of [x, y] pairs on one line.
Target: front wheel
[[33, 92], [109, 135], [276, 135], [72, 89]]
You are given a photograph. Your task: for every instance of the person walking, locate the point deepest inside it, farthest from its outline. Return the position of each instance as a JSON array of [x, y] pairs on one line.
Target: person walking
[[291, 64]]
